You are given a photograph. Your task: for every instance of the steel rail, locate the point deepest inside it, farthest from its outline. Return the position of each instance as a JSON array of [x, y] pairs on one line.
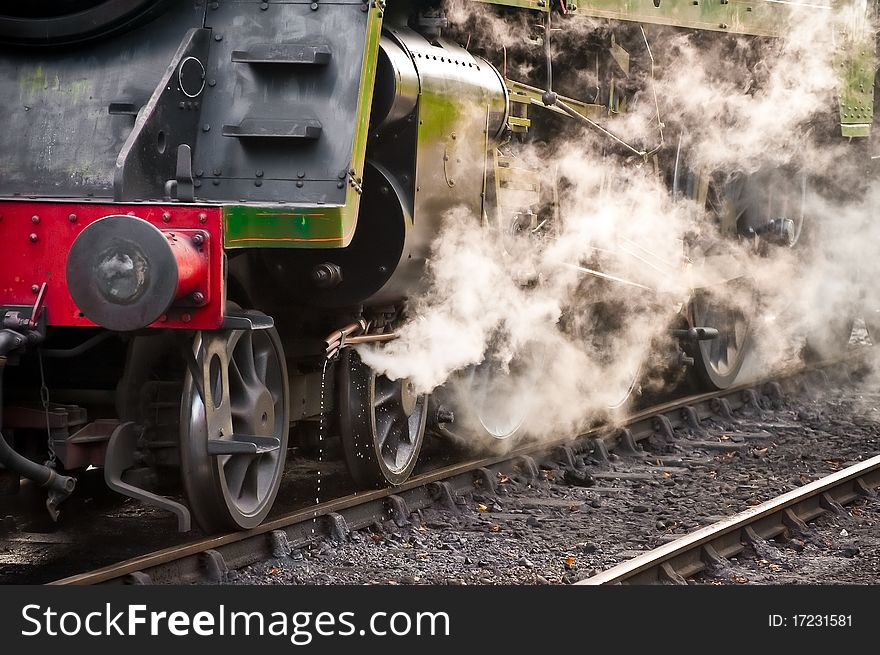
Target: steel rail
[[188, 561], [674, 561]]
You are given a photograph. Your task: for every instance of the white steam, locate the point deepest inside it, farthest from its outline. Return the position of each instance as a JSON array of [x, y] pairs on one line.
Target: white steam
[[569, 312]]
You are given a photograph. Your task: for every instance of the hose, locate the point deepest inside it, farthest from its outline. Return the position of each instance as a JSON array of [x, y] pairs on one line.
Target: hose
[[42, 475]]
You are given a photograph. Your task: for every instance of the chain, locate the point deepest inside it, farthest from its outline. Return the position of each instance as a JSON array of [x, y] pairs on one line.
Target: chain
[[44, 398]]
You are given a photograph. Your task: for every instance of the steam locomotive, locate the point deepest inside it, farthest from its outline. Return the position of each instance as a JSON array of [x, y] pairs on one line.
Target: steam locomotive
[[205, 204]]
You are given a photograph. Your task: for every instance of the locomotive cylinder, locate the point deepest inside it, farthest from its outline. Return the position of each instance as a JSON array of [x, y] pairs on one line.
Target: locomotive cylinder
[[124, 273], [437, 112]]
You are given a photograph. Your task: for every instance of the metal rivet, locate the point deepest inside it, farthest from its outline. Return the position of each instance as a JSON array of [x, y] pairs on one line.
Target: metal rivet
[[217, 171], [34, 238], [203, 218], [35, 288], [258, 182], [186, 318], [264, 6], [300, 174], [219, 36], [299, 184], [166, 217], [340, 185], [198, 298], [259, 173], [212, 82], [314, 6], [35, 220], [72, 218]]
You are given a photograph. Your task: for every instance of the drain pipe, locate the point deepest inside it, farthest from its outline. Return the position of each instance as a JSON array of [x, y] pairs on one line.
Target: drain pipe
[[60, 486]]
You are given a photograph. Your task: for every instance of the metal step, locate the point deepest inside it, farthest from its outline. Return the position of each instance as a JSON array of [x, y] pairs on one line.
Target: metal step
[[283, 53], [243, 444], [305, 129]]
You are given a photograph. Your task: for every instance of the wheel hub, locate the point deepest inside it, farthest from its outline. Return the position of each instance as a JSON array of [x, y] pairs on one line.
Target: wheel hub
[[408, 396], [264, 414]]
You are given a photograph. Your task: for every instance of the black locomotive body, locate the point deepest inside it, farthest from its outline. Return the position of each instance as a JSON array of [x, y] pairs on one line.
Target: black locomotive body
[[205, 206]]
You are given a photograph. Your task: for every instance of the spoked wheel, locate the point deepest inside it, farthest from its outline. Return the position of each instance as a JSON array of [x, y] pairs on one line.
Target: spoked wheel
[[234, 442], [381, 421], [718, 361], [599, 326], [493, 397]]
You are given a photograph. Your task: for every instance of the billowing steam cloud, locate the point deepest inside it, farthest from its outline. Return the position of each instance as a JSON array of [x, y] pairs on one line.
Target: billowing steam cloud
[[568, 314]]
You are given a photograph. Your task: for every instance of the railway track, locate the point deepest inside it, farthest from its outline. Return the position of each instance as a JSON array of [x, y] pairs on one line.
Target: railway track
[[210, 559], [710, 546]]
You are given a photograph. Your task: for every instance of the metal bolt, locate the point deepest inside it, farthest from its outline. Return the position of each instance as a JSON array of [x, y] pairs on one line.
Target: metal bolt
[[35, 288], [166, 217], [218, 172], [258, 182], [300, 174], [203, 218], [212, 83], [314, 6], [340, 185], [198, 298], [219, 36], [264, 6], [444, 415], [186, 318], [299, 184], [72, 218], [35, 220], [259, 173], [198, 239], [34, 238], [206, 128]]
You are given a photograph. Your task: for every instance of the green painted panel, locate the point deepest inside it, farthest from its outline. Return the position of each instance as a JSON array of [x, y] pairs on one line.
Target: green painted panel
[[856, 61], [537, 5]]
